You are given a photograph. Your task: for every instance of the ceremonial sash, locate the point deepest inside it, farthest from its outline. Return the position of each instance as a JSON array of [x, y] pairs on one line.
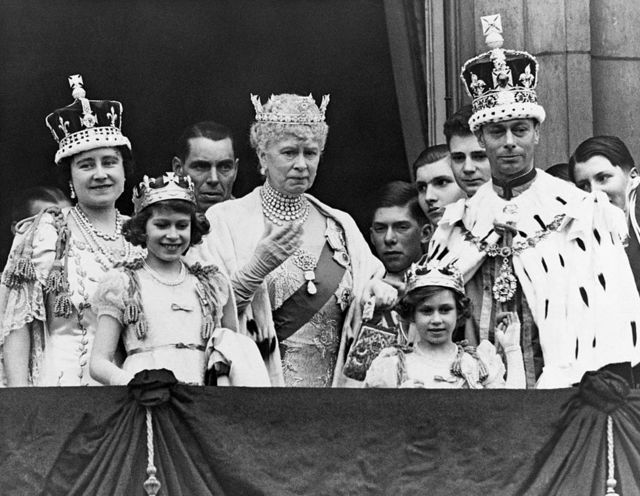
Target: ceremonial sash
[[301, 306]]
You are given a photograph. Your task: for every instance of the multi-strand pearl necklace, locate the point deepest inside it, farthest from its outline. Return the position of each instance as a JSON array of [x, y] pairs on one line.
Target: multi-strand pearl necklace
[[86, 223], [280, 208], [96, 246]]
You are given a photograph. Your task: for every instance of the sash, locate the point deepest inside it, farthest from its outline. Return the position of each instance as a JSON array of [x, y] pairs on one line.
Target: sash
[[298, 309]]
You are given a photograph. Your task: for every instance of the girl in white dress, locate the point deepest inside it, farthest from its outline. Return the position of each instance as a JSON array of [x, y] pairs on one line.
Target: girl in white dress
[[168, 314], [436, 304]]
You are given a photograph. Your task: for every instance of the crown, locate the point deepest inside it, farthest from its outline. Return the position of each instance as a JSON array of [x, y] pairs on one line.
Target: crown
[[85, 124], [447, 276], [501, 82], [169, 186], [290, 109]]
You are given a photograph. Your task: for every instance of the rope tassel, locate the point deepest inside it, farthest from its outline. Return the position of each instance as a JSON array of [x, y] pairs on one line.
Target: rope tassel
[[152, 484], [611, 479]]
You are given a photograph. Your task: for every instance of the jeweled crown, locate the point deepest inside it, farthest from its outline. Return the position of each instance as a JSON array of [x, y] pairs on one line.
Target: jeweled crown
[[85, 124], [447, 276], [299, 109], [169, 186], [501, 82]]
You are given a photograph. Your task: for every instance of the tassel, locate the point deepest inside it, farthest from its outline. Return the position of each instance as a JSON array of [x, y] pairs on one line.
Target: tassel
[[208, 327], [25, 270], [140, 327], [131, 312], [55, 281], [62, 306]]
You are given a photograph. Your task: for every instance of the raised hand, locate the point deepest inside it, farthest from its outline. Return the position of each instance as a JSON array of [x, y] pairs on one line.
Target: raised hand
[[508, 330]]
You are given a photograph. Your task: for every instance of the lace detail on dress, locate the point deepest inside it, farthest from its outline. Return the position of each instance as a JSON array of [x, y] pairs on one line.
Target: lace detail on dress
[[309, 355], [283, 282]]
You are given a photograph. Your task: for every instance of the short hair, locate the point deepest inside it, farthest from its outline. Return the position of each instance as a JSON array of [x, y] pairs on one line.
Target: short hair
[[400, 194], [262, 134], [610, 147], [408, 304], [23, 200], [559, 170], [63, 168], [134, 229], [429, 156], [205, 129], [458, 123]]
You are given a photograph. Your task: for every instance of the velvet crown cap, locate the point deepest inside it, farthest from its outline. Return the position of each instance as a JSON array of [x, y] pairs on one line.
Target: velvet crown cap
[[501, 82], [85, 124], [170, 186]]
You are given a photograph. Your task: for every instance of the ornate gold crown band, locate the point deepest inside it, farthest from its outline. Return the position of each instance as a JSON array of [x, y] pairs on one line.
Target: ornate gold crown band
[[420, 276], [170, 186], [306, 111]]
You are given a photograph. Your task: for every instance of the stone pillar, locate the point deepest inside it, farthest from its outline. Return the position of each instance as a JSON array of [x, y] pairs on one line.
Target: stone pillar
[[615, 50]]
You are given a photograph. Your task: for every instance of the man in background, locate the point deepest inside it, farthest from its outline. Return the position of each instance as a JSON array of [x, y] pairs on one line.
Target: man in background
[[396, 228], [205, 152], [469, 161]]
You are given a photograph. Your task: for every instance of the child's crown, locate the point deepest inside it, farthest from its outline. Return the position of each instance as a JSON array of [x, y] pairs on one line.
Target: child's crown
[[169, 186]]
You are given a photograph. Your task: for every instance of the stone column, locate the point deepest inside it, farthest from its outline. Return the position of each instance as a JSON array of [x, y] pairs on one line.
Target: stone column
[[615, 50]]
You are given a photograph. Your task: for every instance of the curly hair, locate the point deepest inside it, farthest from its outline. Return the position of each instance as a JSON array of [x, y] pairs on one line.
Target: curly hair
[[408, 304], [263, 134], [134, 229]]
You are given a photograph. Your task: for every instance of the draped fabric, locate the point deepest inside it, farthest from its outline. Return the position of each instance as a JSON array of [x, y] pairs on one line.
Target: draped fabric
[[574, 461], [289, 441]]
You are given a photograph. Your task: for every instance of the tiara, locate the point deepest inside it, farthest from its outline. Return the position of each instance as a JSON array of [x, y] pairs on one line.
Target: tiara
[[169, 186], [305, 110], [447, 276]]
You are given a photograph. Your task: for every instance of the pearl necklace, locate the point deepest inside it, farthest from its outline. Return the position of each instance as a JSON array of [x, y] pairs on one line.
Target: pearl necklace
[[96, 246], [84, 220], [280, 208], [165, 282]]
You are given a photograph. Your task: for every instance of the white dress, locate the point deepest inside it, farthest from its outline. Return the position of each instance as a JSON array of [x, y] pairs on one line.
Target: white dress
[[60, 344], [175, 335]]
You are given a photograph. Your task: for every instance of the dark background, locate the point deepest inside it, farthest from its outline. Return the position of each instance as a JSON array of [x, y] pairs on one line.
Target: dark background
[[172, 63]]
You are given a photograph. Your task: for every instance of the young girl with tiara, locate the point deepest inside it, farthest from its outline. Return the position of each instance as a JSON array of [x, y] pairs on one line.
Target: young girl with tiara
[[168, 314], [436, 304]]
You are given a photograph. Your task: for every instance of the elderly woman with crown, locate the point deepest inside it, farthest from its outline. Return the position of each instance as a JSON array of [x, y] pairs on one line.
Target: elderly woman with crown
[[295, 263], [58, 256], [168, 314], [436, 304]]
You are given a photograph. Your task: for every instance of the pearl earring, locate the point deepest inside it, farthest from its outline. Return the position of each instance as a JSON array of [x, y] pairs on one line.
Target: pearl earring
[[72, 192]]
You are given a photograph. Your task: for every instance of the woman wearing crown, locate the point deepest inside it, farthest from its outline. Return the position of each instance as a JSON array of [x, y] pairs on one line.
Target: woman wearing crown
[[47, 323], [170, 315], [436, 304], [295, 263]]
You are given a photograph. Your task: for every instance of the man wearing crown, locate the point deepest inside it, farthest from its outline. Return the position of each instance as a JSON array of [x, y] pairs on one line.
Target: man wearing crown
[[534, 244]]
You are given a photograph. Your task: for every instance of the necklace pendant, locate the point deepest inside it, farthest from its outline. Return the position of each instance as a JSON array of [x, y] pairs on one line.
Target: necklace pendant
[[311, 288], [506, 284]]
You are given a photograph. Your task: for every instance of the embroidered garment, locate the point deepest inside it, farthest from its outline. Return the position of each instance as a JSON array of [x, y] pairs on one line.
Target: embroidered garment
[[411, 368], [60, 345], [175, 335], [576, 279], [237, 226], [308, 325]]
